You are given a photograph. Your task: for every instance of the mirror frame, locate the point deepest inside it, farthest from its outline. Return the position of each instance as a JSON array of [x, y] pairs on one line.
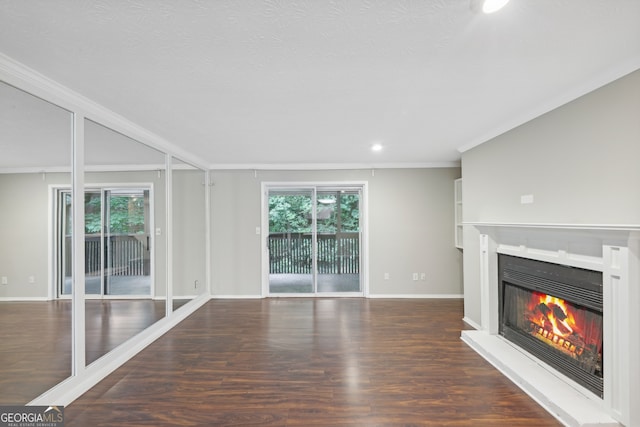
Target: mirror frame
[[83, 377]]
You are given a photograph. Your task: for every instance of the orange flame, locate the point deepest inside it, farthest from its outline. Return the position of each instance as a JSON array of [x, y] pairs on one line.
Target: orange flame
[[562, 327]]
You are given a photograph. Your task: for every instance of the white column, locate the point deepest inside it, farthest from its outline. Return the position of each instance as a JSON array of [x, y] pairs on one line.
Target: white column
[[617, 333], [78, 276]]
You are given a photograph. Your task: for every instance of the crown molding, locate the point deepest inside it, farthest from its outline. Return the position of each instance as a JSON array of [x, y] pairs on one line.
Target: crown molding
[[332, 166], [26, 79], [572, 94]]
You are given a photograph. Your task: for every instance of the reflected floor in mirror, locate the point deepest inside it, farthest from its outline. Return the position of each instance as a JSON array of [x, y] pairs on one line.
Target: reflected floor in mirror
[[35, 354]]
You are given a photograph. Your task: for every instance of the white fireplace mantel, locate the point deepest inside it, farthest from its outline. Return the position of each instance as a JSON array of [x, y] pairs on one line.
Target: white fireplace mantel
[[612, 249]]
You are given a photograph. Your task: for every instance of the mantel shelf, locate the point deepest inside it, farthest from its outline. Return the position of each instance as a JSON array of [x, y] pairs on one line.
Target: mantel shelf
[[558, 226]]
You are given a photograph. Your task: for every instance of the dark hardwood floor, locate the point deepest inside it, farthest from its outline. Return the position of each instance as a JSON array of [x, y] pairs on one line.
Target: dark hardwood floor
[[35, 340], [310, 362]]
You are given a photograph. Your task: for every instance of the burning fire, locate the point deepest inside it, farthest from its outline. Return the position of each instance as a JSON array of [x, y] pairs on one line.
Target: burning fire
[[558, 315], [553, 320]]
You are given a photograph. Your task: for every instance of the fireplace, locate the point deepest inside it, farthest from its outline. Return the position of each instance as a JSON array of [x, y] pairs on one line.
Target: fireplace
[[588, 273], [554, 312]]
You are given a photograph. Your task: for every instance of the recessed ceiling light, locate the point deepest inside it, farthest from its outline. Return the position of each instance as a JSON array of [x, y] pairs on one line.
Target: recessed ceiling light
[[490, 6], [376, 147]]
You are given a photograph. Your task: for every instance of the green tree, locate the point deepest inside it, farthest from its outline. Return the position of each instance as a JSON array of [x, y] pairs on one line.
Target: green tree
[[289, 213], [292, 213], [126, 214]]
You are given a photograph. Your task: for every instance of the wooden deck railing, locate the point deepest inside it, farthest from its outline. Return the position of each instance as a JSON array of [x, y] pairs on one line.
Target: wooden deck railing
[[126, 256], [291, 253]]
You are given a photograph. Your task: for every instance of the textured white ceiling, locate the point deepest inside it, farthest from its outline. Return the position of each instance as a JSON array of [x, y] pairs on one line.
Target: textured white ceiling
[[280, 82]]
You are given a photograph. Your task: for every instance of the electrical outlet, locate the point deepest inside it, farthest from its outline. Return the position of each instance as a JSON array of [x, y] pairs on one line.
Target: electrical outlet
[[423, 276], [32, 279], [5, 280], [195, 284], [415, 276], [386, 276]]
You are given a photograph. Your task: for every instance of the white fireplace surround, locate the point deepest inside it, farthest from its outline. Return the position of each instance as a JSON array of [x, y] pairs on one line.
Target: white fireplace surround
[[612, 249]]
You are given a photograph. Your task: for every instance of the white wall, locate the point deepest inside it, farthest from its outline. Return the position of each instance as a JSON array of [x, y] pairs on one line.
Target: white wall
[[580, 163], [410, 225]]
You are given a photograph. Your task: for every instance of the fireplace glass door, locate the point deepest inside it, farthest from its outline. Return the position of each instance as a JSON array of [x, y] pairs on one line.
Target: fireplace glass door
[[554, 325], [565, 328]]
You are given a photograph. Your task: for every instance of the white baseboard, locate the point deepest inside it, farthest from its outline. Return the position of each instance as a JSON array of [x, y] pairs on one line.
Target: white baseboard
[[471, 323], [418, 296], [23, 299], [237, 297]]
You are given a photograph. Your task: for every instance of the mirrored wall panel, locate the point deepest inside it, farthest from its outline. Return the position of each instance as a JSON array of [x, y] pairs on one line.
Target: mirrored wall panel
[[125, 251], [35, 322], [189, 232]]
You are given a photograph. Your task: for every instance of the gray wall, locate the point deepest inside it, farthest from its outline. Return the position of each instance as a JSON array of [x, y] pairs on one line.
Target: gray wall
[[580, 163], [24, 220], [189, 233], [410, 225], [24, 230]]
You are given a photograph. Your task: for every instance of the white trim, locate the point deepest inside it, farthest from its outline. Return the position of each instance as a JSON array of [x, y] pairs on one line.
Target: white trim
[[556, 257], [331, 166], [35, 169], [29, 80], [563, 226], [91, 168], [264, 236], [73, 387], [471, 323], [23, 299], [101, 186], [168, 235], [609, 248], [237, 297], [78, 335], [207, 230], [567, 401], [564, 98], [364, 240], [417, 296], [313, 186]]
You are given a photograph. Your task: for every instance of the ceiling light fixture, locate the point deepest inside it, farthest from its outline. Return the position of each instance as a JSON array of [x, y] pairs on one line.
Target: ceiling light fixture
[[376, 147], [490, 6]]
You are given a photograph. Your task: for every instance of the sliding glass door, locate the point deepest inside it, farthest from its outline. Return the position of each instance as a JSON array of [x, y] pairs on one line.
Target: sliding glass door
[[314, 241], [338, 240], [291, 237], [117, 242]]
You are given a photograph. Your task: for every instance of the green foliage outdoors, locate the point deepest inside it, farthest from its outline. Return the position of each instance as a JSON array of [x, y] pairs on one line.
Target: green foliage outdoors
[[292, 213], [126, 214]]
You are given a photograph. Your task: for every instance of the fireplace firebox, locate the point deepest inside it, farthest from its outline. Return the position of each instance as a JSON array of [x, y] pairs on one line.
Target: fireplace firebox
[[554, 312]]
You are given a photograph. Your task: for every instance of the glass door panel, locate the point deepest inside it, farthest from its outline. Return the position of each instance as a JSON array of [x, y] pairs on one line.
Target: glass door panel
[[93, 242], [127, 242], [338, 241], [117, 261], [291, 242], [64, 239]]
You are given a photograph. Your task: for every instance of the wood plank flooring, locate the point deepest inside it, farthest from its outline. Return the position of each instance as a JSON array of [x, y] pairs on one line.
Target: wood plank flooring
[[310, 362], [35, 340]]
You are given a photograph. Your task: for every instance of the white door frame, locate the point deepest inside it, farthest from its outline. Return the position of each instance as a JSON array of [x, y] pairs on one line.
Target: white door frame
[[364, 240], [54, 189]]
